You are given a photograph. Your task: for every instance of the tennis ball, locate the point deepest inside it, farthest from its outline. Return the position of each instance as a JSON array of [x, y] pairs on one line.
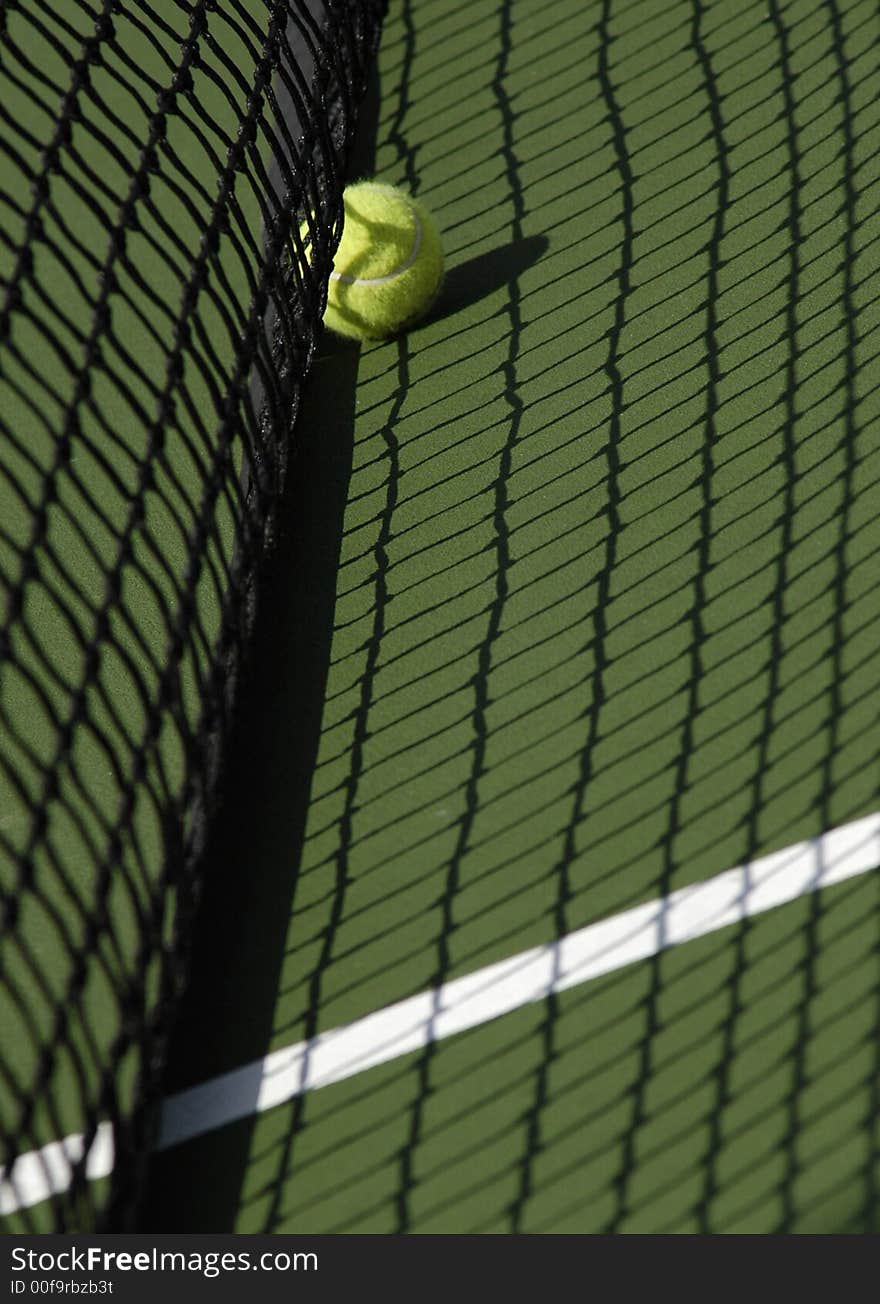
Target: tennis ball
[[388, 266]]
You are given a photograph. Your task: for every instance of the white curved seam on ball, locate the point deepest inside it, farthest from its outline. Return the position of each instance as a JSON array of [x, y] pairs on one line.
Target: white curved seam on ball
[[389, 276]]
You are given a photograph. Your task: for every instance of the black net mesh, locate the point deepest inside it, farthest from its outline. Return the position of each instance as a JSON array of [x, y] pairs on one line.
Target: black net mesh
[[159, 312]]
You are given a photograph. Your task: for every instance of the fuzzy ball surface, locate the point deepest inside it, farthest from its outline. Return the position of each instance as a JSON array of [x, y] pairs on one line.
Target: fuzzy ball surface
[[389, 264]]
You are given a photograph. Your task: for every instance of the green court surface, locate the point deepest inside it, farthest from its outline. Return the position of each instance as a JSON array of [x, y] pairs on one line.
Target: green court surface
[[576, 604], [605, 623]]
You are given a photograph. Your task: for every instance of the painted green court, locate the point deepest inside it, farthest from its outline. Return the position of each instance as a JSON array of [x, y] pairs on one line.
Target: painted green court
[[575, 606]]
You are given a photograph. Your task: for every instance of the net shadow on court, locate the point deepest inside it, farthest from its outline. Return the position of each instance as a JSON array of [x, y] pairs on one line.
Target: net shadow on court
[[621, 662]]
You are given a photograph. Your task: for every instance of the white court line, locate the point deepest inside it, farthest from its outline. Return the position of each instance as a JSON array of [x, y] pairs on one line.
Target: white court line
[[46, 1172], [467, 1002]]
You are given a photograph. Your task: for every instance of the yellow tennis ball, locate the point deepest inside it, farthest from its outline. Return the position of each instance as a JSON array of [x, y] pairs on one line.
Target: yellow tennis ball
[[388, 266]]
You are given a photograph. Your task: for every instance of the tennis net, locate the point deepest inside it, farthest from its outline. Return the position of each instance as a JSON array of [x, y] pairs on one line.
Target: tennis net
[[170, 198]]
